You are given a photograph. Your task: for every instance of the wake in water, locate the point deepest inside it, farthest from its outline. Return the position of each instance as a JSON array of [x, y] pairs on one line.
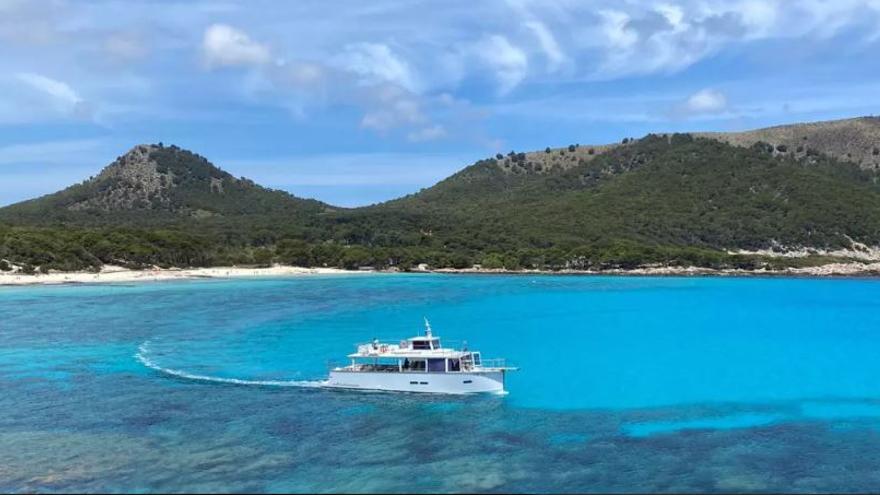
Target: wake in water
[[144, 350]]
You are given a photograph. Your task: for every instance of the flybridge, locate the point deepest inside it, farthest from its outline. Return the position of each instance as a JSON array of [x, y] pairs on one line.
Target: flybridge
[[419, 364]]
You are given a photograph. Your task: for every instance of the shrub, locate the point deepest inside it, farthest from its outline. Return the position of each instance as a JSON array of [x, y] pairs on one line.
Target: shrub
[[571, 148], [4, 266], [492, 261]]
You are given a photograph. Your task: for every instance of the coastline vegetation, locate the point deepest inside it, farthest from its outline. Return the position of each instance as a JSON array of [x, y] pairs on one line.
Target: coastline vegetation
[[671, 200], [88, 249]]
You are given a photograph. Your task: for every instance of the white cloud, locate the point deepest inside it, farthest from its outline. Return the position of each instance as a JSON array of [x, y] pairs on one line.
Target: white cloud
[[226, 46], [335, 63], [705, 101], [393, 114], [376, 62], [508, 62], [614, 28], [59, 90], [61, 96], [548, 43], [427, 134]]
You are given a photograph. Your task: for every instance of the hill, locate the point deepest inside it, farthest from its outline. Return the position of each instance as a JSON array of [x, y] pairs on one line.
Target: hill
[[154, 205], [669, 191], [672, 199], [155, 185], [854, 140]]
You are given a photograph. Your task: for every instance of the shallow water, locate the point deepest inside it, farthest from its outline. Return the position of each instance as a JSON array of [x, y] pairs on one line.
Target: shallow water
[[626, 384]]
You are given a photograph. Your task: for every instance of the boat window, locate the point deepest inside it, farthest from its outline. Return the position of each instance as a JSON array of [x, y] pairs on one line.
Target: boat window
[[476, 356], [421, 345], [417, 365], [454, 365], [435, 344], [436, 365]]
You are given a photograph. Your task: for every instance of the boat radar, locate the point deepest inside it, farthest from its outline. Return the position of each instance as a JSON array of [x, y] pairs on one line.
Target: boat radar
[[419, 364]]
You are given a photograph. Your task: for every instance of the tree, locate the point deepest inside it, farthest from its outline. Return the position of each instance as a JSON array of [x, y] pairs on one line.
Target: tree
[[263, 257], [294, 252], [4, 266], [492, 261], [355, 257]]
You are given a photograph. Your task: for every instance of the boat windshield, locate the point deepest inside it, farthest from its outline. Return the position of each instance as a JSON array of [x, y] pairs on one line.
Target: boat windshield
[[425, 344]]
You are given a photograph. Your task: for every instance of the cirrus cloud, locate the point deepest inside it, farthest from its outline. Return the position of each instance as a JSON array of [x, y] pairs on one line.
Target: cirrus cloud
[[60, 95]]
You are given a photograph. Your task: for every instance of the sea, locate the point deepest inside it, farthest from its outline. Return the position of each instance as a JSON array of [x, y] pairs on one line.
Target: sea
[[660, 384]]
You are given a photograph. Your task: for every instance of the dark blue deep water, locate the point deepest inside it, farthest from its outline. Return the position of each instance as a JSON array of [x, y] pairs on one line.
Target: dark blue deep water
[[626, 384]]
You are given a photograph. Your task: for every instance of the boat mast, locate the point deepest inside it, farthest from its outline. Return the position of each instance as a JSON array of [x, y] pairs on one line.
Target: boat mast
[[427, 327]]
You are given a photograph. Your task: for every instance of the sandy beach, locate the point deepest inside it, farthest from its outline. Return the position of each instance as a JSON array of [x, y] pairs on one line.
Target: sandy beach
[[117, 274]]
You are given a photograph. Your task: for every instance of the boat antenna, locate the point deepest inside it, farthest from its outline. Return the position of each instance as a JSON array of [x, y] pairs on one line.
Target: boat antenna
[[427, 327]]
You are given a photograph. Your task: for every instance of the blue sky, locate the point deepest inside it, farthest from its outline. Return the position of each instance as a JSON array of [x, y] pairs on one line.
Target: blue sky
[[355, 102]]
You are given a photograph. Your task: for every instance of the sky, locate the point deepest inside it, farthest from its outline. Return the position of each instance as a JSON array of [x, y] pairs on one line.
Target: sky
[[356, 102]]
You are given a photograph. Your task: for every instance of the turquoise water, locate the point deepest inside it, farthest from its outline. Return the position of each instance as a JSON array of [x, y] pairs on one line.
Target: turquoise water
[[626, 384]]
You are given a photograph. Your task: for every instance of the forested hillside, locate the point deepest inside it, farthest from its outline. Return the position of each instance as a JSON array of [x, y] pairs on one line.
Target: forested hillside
[[671, 199]]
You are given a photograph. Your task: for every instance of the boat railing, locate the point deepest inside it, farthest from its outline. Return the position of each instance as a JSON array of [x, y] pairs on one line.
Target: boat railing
[[494, 363]]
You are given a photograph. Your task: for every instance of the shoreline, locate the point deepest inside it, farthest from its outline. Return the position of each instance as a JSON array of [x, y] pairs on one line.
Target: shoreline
[[830, 270], [116, 274]]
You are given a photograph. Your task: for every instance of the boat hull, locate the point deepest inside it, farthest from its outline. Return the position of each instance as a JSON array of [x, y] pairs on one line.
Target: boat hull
[[438, 383]]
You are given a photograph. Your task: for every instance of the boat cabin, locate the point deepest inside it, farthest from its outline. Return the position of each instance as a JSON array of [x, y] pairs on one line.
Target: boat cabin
[[414, 355]]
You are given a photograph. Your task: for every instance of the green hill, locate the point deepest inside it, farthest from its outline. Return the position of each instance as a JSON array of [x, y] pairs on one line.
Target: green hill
[[158, 185], [673, 199], [660, 191]]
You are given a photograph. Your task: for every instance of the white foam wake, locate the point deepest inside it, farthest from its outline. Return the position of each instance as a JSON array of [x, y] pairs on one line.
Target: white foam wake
[[142, 356]]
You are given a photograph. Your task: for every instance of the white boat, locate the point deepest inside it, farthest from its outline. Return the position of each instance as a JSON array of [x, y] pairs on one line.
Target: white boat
[[419, 364]]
